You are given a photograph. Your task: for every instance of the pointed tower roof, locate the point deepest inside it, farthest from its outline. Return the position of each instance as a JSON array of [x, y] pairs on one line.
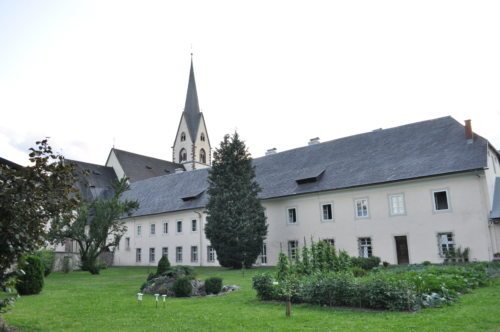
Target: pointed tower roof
[[192, 108]]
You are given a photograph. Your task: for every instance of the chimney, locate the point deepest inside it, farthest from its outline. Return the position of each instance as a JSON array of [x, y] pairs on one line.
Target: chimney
[[270, 151], [313, 141], [468, 131]]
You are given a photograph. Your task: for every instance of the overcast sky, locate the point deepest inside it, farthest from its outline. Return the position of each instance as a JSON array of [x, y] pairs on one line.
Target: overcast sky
[[90, 73]]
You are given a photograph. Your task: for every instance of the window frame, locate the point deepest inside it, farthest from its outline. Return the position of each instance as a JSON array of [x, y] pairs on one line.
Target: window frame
[[152, 229], [210, 254], [183, 136], [263, 254], [448, 200], [288, 209], [194, 254], [164, 252], [391, 211], [178, 254], [165, 228], [330, 241], [138, 230], [177, 223], [356, 200], [443, 253], [138, 255], [292, 255], [369, 247], [127, 243], [195, 224], [322, 214], [152, 254], [203, 156]]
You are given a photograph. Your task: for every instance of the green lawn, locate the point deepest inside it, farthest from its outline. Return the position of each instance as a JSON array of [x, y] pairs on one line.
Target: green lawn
[[81, 302]]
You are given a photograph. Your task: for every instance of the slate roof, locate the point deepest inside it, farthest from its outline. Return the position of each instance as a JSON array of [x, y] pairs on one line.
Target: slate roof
[[94, 181], [9, 163], [495, 211], [192, 112], [138, 167], [416, 150]]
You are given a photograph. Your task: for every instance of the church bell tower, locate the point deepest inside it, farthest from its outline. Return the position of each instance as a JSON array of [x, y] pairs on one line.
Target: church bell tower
[[191, 146]]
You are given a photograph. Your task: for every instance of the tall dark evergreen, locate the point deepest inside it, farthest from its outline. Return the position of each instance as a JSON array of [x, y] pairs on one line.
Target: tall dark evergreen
[[236, 224]]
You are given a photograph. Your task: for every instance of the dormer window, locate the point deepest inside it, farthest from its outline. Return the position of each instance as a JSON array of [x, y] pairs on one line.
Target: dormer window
[[182, 155], [202, 137], [203, 156], [183, 136]]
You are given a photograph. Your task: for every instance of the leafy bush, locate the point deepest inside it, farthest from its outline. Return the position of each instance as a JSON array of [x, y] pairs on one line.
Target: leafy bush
[[213, 285], [380, 292], [358, 272], [263, 284], [366, 263], [47, 256], [32, 280], [151, 276], [180, 271], [182, 287], [163, 265], [144, 285]]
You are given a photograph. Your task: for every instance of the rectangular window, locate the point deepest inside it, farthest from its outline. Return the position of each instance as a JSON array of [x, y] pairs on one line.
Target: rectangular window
[[193, 225], [397, 204], [263, 254], [164, 252], [440, 200], [330, 241], [327, 212], [361, 208], [292, 216], [178, 254], [139, 230], [365, 247], [210, 254], [138, 255], [293, 246], [152, 229], [165, 227], [446, 243], [127, 243], [194, 254], [179, 227], [151, 255]]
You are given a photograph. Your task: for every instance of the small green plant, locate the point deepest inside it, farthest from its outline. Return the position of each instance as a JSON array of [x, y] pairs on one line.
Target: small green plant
[[358, 272], [426, 263], [32, 280], [47, 256], [163, 265], [385, 264], [366, 263], [213, 285], [67, 265], [182, 287], [263, 284]]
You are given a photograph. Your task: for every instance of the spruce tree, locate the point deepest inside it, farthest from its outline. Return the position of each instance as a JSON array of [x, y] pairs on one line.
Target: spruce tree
[[236, 224]]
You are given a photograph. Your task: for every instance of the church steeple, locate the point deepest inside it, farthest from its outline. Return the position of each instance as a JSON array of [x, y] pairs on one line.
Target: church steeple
[[192, 107], [192, 147]]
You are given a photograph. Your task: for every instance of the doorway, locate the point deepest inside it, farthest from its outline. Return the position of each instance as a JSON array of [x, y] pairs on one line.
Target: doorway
[[402, 250]]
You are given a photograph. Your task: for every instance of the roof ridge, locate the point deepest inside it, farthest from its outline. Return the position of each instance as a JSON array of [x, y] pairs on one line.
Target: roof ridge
[[360, 134], [142, 155]]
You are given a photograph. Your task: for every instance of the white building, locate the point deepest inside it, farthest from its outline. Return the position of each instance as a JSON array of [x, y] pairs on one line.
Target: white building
[[406, 194]]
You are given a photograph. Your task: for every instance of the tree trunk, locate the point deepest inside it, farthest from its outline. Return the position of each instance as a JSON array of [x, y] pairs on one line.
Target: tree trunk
[[288, 307]]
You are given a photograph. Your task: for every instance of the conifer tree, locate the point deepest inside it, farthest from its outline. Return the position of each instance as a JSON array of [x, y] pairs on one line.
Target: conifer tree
[[236, 224]]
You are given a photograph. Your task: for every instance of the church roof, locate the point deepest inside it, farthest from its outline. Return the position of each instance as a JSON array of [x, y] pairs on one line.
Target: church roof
[[94, 181], [417, 150], [192, 112], [138, 167]]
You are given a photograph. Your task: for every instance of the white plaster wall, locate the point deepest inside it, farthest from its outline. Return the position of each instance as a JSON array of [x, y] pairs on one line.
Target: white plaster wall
[[199, 144], [491, 173], [113, 162], [186, 239], [467, 219], [187, 144]]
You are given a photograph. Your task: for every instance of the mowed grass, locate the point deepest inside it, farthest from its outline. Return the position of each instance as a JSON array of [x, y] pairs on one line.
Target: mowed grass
[[82, 302]]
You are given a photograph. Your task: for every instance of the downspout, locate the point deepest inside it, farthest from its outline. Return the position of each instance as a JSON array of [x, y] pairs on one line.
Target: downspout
[[201, 236]]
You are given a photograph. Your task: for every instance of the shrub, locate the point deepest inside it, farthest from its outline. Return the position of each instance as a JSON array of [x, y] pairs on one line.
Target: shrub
[[182, 287], [151, 276], [163, 265], [263, 284], [32, 280], [358, 272], [366, 263], [382, 292], [426, 263], [385, 264], [213, 285], [47, 257], [67, 265], [144, 285]]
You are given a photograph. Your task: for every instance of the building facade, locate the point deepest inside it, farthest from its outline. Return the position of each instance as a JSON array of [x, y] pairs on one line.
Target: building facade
[[406, 194]]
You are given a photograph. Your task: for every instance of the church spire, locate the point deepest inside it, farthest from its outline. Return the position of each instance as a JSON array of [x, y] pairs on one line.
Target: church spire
[[192, 107]]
